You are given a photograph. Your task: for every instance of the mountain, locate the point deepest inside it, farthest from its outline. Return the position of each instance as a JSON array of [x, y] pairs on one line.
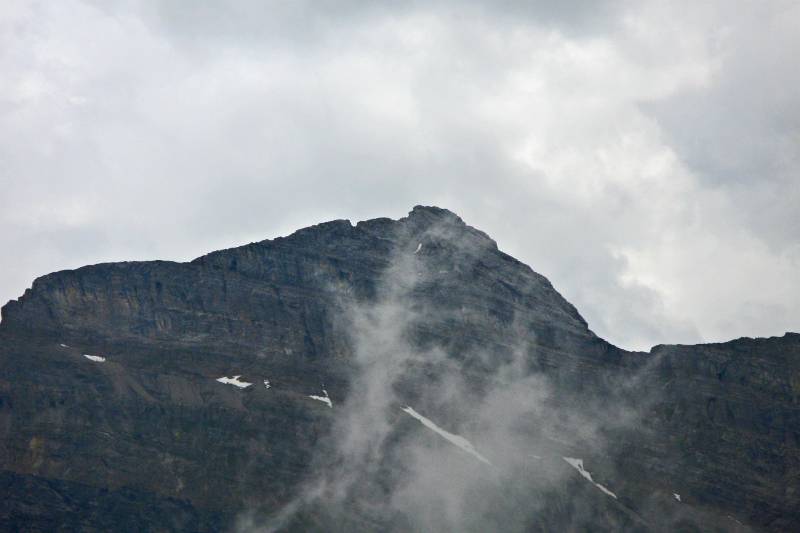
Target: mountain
[[393, 375]]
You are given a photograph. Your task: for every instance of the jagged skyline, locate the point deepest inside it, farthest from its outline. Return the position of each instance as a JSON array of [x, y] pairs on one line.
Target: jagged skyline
[[415, 378]]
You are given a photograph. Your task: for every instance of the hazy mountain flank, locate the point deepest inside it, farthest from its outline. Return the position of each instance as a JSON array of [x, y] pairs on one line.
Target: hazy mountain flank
[[393, 375]]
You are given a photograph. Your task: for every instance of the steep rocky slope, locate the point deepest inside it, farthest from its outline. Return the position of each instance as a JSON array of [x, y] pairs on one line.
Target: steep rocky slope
[[526, 419]]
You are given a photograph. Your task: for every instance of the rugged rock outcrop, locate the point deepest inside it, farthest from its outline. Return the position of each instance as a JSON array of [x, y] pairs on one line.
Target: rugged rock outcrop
[[424, 311]]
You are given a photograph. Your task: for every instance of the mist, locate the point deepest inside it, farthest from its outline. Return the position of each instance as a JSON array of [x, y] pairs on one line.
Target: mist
[[432, 439]]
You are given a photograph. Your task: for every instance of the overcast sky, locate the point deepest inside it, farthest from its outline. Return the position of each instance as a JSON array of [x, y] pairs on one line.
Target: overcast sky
[[645, 157]]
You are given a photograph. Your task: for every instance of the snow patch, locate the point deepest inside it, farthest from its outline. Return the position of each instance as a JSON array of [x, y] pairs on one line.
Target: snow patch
[[458, 440], [419, 247], [266, 383], [63, 345], [577, 464], [676, 496], [324, 399], [234, 381], [732, 518], [95, 358]]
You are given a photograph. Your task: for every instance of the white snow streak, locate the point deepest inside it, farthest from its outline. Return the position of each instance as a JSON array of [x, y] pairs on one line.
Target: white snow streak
[[458, 440], [234, 381], [63, 345], [676, 496], [95, 358], [419, 247], [732, 518], [577, 464], [323, 399]]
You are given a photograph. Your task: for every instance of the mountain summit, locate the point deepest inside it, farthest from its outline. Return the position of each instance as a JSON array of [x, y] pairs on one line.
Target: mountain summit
[[392, 375]]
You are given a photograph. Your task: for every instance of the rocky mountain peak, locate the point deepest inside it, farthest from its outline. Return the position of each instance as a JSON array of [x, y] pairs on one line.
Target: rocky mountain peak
[[425, 216], [341, 379]]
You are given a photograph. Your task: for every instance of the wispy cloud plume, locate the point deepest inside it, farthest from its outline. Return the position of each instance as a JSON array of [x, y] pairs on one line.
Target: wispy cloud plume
[[430, 439]]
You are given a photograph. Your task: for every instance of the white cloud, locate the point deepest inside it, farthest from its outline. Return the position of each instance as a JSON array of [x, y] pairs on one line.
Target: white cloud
[[642, 156]]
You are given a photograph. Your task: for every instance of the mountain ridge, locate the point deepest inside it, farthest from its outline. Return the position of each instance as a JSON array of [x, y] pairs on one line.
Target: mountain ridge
[[456, 330]]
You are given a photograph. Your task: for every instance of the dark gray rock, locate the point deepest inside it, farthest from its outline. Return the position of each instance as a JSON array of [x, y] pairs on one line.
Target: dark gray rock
[[148, 440]]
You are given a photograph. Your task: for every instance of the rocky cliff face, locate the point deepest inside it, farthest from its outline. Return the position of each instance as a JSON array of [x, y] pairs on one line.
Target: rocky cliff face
[[392, 375]]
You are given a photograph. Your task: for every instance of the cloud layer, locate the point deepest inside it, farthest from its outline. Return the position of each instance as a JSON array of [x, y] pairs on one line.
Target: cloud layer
[[643, 156]]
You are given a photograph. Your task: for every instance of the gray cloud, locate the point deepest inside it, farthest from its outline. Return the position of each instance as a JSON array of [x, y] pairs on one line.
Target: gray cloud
[[741, 134], [642, 156]]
